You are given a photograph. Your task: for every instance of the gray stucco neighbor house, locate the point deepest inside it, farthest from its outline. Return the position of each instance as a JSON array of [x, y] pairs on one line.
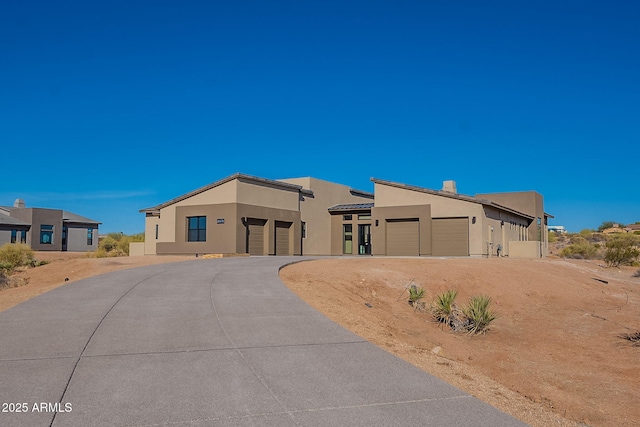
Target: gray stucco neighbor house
[[47, 229]]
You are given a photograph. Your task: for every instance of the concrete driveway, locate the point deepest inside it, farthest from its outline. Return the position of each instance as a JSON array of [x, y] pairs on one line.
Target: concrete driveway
[[218, 342]]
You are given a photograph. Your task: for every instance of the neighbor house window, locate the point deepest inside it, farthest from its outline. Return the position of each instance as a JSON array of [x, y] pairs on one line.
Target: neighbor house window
[[347, 247], [89, 236], [14, 236], [23, 236], [197, 229], [46, 234]]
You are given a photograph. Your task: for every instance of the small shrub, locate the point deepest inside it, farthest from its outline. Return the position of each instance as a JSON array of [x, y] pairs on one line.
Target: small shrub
[[117, 244], [634, 338], [579, 248], [14, 255], [4, 280], [622, 250], [479, 314], [415, 295], [636, 274], [553, 237]]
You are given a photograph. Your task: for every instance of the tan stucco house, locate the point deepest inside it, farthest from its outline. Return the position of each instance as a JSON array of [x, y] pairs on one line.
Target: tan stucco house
[[244, 214]]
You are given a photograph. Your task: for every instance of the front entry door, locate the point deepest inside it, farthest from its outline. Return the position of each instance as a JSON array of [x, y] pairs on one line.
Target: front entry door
[[364, 239]]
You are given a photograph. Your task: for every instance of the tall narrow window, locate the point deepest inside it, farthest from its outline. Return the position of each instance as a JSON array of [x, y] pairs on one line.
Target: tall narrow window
[[157, 226], [89, 236], [23, 236], [197, 229], [46, 234], [14, 236], [347, 247]]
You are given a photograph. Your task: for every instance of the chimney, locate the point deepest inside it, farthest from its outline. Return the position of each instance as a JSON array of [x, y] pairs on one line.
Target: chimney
[[19, 203], [449, 187]]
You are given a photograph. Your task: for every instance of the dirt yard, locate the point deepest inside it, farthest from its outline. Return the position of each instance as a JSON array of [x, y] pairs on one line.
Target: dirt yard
[[553, 357]]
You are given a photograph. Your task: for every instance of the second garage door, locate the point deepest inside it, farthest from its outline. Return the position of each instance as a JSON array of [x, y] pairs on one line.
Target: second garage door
[[450, 236], [255, 236], [403, 237], [282, 237]]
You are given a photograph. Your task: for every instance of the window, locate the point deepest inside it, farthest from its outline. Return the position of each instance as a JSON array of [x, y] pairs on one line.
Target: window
[[304, 230], [46, 234], [89, 236], [346, 217], [64, 236], [23, 236], [347, 233], [197, 229], [157, 226], [364, 216], [14, 236]]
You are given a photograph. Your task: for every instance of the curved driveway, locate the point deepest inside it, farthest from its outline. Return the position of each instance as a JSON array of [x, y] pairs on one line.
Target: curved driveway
[[218, 342]]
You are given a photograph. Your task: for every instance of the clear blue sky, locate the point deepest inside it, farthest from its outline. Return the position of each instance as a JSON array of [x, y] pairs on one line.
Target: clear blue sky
[[110, 107]]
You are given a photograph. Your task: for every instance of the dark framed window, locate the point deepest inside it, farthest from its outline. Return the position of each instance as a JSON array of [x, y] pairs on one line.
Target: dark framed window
[[46, 234], [14, 236], [23, 236], [364, 216], [304, 230], [346, 217], [89, 236], [197, 229], [157, 227], [65, 230], [347, 239]]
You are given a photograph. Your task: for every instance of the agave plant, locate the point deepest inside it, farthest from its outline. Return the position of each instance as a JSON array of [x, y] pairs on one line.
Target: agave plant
[[444, 306], [479, 314], [415, 295]]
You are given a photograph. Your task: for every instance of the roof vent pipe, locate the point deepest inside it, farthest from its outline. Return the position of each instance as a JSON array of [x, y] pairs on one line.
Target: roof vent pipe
[[449, 187], [19, 203]]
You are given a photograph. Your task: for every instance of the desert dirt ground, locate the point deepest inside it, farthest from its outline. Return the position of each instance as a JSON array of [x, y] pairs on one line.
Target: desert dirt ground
[[552, 358]]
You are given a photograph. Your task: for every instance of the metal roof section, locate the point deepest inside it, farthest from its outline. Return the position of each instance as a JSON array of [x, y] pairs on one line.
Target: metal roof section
[[9, 220], [450, 195], [71, 217], [351, 207], [239, 176], [361, 193]]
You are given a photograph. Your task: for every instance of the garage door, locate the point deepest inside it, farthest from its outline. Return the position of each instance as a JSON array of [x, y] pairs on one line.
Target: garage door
[[450, 236], [282, 238], [403, 237], [255, 236]]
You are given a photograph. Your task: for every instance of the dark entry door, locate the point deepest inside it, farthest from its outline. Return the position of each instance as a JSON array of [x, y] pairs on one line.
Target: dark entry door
[[364, 239]]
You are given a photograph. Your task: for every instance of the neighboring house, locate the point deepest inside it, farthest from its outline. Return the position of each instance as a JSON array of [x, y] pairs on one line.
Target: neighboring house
[[307, 216], [47, 229], [614, 230], [633, 228], [557, 228]]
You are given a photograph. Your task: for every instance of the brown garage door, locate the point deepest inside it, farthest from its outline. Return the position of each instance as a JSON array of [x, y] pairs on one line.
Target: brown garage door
[[282, 238], [403, 237], [450, 236], [255, 236]]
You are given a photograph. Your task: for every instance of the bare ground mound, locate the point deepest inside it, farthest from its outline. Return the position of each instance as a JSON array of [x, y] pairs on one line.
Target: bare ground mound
[[553, 357]]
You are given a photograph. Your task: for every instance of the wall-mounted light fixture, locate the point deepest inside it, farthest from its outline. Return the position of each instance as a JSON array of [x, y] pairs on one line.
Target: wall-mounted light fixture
[[473, 220]]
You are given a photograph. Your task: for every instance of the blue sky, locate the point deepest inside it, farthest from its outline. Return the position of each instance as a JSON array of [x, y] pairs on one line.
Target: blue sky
[[110, 107]]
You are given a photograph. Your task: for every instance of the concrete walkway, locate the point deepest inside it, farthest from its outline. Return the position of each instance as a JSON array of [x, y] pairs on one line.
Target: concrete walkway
[[218, 342]]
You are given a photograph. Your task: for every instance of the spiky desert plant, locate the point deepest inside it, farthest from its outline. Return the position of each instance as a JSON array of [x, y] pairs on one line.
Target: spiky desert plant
[[479, 314], [444, 306], [415, 295]]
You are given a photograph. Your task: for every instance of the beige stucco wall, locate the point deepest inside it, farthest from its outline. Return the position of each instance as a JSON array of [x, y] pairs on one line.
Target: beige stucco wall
[[524, 249], [315, 214], [150, 240], [136, 249], [530, 203]]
